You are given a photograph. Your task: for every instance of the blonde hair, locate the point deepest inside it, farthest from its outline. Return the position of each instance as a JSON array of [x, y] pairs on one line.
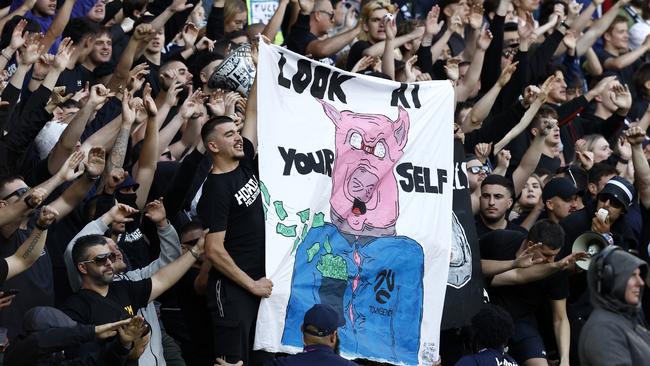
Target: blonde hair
[[232, 8], [371, 6]]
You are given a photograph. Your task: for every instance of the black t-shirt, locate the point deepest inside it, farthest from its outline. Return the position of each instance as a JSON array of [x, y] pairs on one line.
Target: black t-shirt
[[520, 300], [482, 229], [300, 36], [231, 202], [75, 79], [549, 164], [122, 301], [356, 53], [625, 75]]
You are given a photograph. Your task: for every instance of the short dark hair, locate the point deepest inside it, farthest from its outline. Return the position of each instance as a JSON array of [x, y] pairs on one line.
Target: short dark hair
[[619, 19], [195, 224], [81, 246], [600, 170], [548, 233], [499, 180], [545, 111], [79, 28], [6, 179], [491, 327], [209, 126]]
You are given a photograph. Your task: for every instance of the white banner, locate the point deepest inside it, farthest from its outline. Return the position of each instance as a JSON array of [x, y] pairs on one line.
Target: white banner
[[356, 175]]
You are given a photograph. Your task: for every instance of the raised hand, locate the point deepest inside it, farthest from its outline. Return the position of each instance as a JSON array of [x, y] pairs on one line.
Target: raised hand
[[189, 106], [17, 37], [503, 158], [63, 54], [570, 260], [205, 43], [35, 197], [624, 148], [128, 112], [431, 25], [506, 73], [120, 213], [149, 103], [115, 177], [32, 51], [155, 211], [132, 330], [476, 15], [408, 69], [230, 102], [621, 96], [452, 69], [525, 258], [635, 135], [456, 24], [57, 98], [47, 216], [482, 151], [484, 39], [96, 161], [137, 76], [109, 330], [144, 33], [189, 33], [390, 26], [425, 76], [363, 63], [176, 87], [73, 167], [216, 103], [570, 41], [99, 95]]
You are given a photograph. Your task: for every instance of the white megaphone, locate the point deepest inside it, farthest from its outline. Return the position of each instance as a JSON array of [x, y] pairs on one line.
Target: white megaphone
[[592, 243]]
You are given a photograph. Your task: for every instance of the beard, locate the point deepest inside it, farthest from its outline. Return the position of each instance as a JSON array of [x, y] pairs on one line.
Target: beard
[[337, 346]]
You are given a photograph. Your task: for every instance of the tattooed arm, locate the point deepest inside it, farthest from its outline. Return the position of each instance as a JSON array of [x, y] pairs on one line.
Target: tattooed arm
[[31, 249]]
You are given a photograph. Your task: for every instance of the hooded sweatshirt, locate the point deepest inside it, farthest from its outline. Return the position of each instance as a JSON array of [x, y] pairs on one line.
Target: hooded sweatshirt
[[614, 334]]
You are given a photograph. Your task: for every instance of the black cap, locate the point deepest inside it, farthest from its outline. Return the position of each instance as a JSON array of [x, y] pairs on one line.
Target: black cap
[[621, 190], [323, 318], [559, 187]]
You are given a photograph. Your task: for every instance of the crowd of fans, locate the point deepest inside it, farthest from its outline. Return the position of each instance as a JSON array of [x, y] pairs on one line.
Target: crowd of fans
[[123, 238]]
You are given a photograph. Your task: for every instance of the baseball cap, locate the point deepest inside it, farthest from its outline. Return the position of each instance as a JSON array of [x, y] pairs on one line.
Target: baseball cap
[[323, 318], [559, 187], [621, 190], [129, 182]]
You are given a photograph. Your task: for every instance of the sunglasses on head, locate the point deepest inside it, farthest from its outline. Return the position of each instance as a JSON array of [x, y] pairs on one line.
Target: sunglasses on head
[[18, 193], [101, 259], [478, 169], [604, 197]]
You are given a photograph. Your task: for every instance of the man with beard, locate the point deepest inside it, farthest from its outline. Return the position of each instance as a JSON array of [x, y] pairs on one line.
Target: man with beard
[[496, 200], [320, 335]]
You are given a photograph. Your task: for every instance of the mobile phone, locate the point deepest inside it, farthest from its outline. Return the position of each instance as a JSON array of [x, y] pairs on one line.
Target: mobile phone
[[9, 292], [388, 16]]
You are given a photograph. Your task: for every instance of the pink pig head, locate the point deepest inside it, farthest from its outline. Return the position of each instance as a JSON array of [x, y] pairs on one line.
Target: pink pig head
[[364, 197]]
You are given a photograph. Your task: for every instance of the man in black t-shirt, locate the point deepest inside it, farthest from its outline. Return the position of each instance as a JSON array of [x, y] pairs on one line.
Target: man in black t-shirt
[[615, 56], [496, 200], [102, 300], [523, 301], [231, 208]]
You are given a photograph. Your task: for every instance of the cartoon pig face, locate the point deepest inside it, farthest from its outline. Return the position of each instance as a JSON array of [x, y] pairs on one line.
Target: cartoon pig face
[[364, 189]]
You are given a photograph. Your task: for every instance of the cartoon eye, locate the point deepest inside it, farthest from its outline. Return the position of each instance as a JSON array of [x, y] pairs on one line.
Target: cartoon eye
[[356, 140], [380, 150]]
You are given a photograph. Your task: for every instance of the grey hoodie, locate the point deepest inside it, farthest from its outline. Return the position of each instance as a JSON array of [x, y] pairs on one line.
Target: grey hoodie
[[170, 249], [614, 335]]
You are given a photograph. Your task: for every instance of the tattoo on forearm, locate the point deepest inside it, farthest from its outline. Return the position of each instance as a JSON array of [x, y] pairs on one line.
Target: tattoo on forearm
[[118, 152], [32, 244]]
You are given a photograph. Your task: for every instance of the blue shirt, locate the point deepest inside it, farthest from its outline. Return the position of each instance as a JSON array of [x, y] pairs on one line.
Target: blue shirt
[[488, 357]]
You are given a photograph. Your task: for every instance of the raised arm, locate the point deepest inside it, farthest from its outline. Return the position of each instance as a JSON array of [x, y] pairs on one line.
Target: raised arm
[[167, 276], [58, 24], [521, 126], [628, 58], [271, 29], [482, 108], [30, 250], [599, 27], [249, 130], [388, 58], [176, 6], [142, 34], [146, 165], [530, 159], [636, 135]]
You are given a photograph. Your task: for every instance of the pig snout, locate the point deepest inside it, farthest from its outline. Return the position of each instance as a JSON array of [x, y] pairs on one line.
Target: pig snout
[[361, 187]]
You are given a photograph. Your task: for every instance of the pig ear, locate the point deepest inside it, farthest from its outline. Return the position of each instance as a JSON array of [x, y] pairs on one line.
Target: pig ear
[[331, 112], [401, 128]]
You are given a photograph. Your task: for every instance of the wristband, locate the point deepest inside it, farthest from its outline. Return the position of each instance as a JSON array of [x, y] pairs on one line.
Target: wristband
[[195, 254]]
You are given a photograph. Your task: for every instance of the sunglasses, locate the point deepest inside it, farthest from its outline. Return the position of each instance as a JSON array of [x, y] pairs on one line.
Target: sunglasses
[[478, 169], [613, 201], [101, 259], [18, 193]]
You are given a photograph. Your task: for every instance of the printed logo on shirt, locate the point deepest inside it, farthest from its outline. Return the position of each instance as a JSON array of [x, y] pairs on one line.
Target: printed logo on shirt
[[129, 309], [131, 237], [248, 193], [504, 362], [78, 82]]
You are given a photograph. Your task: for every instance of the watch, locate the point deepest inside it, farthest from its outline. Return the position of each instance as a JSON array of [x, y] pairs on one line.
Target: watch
[[196, 255]]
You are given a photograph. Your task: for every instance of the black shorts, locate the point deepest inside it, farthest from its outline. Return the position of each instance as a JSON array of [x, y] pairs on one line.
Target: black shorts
[[526, 341], [234, 313]]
